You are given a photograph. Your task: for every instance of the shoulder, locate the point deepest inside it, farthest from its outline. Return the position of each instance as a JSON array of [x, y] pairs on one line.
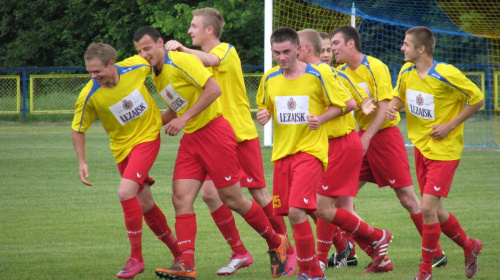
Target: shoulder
[[407, 67], [271, 73], [375, 62]]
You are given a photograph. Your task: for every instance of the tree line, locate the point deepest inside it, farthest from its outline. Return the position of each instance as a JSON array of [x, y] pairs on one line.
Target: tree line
[[56, 33]]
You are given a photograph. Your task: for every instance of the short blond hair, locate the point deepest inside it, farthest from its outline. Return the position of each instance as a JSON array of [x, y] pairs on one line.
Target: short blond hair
[[104, 52], [211, 17], [313, 38], [423, 36]]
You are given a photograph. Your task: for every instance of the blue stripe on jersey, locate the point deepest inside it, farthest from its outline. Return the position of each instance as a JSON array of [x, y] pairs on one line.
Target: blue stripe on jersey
[[313, 71], [404, 71], [94, 88], [271, 75], [228, 49], [344, 76], [170, 62], [344, 67], [367, 64], [122, 70], [433, 73]]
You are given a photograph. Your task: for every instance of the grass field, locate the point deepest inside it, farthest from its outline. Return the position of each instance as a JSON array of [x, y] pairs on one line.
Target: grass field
[[54, 227]]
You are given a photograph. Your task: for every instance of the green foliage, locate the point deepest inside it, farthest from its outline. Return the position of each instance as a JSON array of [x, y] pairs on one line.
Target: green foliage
[[56, 33]]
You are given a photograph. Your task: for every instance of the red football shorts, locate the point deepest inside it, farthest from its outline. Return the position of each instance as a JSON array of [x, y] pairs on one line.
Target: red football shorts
[[139, 161], [386, 161], [345, 155], [250, 158], [295, 180], [434, 176], [210, 150]]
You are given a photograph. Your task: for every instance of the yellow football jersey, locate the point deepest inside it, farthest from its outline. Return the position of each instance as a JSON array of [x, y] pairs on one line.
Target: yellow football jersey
[[180, 84], [289, 102], [127, 111], [234, 100], [373, 76], [435, 99]]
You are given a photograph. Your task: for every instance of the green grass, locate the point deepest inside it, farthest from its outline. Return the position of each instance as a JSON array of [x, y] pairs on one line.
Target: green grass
[[54, 227]]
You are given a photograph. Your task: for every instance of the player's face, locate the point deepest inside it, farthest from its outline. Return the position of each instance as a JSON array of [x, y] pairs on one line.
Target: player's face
[[339, 48], [326, 51], [197, 31], [409, 50], [150, 50], [103, 74], [285, 54]]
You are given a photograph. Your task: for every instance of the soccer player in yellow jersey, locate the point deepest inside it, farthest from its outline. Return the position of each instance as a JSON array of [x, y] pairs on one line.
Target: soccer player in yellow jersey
[[438, 98], [296, 94], [382, 141], [118, 96], [339, 184], [326, 48], [224, 62], [208, 147]]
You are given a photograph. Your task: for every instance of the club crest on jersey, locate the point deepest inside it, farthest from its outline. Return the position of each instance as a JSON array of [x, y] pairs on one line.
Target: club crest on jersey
[[291, 104], [127, 104], [420, 100], [169, 94], [130, 107], [420, 104]]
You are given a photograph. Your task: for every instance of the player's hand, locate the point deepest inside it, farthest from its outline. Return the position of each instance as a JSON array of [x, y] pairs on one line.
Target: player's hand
[[173, 45], [440, 131], [313, 121], [263, 116], [390, 112], [368, 107], [175, 126], [84, 174]]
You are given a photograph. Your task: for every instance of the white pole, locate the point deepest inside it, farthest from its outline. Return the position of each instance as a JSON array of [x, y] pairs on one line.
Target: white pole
[[268, 62], [353, 16]]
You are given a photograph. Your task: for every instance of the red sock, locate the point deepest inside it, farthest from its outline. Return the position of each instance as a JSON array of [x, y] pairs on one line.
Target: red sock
[[350, 223], [157, 222], [224, 219], [278, 224], [256, 218], [133, 222], [277, 221], [185, 227], [454, 231], [430, 239], [418, 220], [339, 240], [306, 255], [325, 233], [365, 245]]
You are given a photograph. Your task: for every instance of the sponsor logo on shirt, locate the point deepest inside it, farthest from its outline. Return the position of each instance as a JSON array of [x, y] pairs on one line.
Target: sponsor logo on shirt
[[420, 104], [129, 108], [292, 109]]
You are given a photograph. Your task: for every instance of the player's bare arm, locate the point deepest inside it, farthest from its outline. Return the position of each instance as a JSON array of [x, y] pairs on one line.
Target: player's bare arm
[[263, 116], [440, 131], [208, 59], [331, 112], [167, 116], [395, 106], [173, 45], [79, 144], [375, 125], [350, 106]]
